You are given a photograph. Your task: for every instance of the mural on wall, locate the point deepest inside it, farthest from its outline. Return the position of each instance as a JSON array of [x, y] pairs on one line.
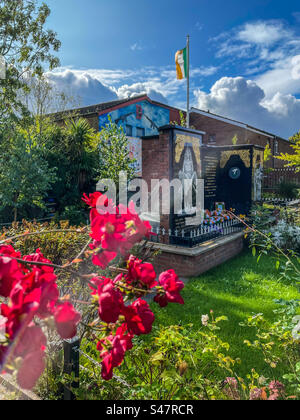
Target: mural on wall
[[138, 119], [135, 152]]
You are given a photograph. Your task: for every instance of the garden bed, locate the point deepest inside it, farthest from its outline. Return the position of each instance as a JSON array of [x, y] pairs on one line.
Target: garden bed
[[237, 289]]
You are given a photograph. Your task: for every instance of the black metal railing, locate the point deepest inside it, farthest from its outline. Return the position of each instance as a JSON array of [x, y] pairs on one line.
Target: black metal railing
[[193, 236]]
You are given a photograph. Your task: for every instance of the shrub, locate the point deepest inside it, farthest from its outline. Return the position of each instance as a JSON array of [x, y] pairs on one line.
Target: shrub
[[288, 190], [286, 236], [58, 246]]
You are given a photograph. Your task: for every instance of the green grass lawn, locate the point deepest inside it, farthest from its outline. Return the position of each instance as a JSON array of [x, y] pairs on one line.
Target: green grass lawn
[[237, 289]]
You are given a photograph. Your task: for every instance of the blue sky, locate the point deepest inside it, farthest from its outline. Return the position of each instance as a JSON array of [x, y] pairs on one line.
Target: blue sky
[[245, 56]]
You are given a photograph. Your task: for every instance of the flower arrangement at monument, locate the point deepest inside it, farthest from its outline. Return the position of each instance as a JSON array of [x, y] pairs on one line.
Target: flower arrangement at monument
[[29, 288]]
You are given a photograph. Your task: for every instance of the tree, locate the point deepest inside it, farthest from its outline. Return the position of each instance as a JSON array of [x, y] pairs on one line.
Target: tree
[[74, 150], [267, 153], [292, 159], [25, 177], [43, 98], [26, 46], [234, 140], [114, 154]]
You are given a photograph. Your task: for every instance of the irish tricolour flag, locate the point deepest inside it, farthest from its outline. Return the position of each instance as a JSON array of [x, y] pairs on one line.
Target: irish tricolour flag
[[181, 64]]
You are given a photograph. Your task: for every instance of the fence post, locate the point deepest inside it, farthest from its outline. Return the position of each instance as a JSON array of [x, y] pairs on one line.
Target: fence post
[[71, 365]]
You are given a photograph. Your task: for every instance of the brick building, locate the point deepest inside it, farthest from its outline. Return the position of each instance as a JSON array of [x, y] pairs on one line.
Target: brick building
[[140, 116], [94, 112], [220, 131]]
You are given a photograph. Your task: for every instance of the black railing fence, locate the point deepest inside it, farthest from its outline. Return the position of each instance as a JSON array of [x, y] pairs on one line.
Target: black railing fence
[[191, 236]]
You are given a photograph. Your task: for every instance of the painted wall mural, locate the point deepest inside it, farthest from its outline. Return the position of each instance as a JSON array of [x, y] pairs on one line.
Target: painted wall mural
[[135, 152], [142, 115], [138, 119]]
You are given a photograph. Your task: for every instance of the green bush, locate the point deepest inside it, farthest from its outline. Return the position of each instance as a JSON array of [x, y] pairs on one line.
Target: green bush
[[60, 246], [288, 190]]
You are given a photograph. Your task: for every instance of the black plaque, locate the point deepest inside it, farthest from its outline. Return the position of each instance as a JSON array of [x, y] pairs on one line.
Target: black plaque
[[210, 168]]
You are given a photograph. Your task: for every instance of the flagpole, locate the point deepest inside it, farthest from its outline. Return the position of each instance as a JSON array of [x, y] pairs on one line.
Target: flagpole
[[188, 82]]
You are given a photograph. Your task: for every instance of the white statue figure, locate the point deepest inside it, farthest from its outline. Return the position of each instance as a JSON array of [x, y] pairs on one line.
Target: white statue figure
[[188, 172], [258, 177]]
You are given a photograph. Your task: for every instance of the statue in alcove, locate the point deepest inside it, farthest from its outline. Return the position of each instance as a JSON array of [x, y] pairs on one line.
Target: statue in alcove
[[258, 177], [188, 172]]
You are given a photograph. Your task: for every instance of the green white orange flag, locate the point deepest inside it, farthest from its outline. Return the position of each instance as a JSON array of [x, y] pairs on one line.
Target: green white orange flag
[[181, 64]]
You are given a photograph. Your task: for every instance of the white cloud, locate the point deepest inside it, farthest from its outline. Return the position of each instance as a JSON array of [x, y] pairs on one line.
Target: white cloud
[[105, 76], [84, 87], [257, 46], [127, 91], [284, 77], [283, 105], [100, 85], [268, 51], [227, 95], [136, 47], [203, 71], [262, 32], [199, 26], [245, 101]]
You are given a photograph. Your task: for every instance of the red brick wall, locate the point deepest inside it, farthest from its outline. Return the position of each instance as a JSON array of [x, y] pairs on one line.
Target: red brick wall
[[175, 115], [274, 178], [189, 266], [156, 160], [224, 133]]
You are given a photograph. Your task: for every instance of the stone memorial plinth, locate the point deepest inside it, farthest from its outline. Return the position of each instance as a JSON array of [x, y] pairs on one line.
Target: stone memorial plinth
[[232, 180]]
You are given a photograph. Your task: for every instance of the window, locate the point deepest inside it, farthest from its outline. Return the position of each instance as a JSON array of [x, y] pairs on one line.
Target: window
[[276, 147], [212, 139], [140, 132], [128, 130]]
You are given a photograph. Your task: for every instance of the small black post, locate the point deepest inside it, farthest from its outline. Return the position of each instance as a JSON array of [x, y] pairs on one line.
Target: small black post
[[71, 365]]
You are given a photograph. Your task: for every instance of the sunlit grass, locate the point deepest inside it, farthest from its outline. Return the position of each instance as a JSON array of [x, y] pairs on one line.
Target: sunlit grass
[[238, 289]]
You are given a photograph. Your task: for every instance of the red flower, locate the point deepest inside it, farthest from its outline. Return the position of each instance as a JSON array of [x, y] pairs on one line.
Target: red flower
[[22, 307], [138, 229], [92, 199], [32, 367], [43, 283], [110, 302], [102, 258], [39, 257], [8, 251], [112, 351], [114, 229], [141, 272], [10, 274], [96, 282], [32, 350], [66, 320], [172, 286], [139, 317], [32, 291], [107, 229]]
